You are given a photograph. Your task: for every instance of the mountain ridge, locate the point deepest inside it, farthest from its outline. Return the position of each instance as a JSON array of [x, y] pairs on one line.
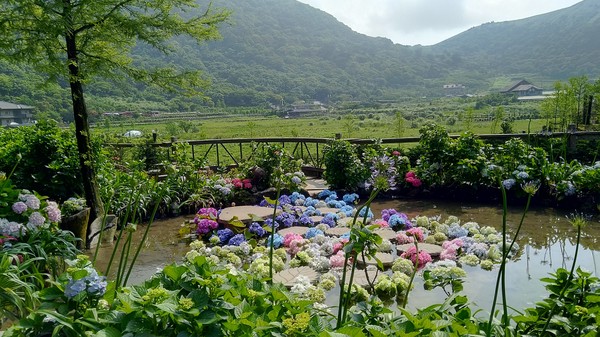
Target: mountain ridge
[[284, 50]]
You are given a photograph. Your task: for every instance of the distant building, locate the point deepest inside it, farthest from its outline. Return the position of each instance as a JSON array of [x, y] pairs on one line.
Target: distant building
[[304, 108], [454, 89], [522, 88], [15, 114]]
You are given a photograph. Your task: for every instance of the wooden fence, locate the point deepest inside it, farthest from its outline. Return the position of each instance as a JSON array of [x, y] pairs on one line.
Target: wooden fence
[[233, 152]]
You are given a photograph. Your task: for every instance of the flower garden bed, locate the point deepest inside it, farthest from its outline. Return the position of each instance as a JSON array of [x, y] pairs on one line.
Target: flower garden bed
[[311, 232]]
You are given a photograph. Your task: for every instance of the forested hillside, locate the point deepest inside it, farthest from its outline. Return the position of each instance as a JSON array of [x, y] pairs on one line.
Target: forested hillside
[[284, 50]]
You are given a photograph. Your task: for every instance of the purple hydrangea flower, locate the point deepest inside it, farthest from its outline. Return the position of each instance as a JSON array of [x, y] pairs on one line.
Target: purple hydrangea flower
[[36, 219], [285, 219], [305, 220], [32, 201], [19, 207], [285, 200], [328, 220], [53, 212]]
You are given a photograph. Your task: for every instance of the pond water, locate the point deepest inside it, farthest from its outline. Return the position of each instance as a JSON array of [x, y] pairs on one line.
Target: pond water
[[547, 242]]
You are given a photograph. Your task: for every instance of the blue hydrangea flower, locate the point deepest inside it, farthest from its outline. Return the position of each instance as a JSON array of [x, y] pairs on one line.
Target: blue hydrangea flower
[[348, 210], [522, 175], [295, 196], [324, 194], [570, 190], [367, 211], [96, 284], [508, 183], [224, 235], [312, 232], [73, 288], [310, 202], [350, 198], [256, 229], [456, 231], [277, 241], [237, 240]]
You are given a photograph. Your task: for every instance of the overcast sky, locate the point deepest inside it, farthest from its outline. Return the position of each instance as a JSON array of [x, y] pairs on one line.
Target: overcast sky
[[428, 22]]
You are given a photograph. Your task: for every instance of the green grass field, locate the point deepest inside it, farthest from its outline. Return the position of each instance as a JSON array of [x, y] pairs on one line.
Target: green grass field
[[381, 126]]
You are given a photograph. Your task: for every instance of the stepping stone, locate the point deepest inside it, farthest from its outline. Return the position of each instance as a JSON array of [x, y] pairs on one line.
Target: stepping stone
[[316, 219], [386, 258], [294, 229], [347, 221], [337, 231], [433, 250], [360, 278], [386, 233], [325, 210], [244, 213], [288, 277]]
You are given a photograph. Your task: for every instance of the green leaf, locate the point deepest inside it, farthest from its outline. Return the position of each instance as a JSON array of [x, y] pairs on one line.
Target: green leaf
[[270, 201], [109, 332], [351, 331], [174, 272]]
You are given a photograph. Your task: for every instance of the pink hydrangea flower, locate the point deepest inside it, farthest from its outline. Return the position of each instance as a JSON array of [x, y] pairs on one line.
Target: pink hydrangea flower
[[412, 179], [417, 233], [449, 253], [295, 246], [337, 260], [53, 212], [403, 239], [419, 260], [289, 237], [381, 223]]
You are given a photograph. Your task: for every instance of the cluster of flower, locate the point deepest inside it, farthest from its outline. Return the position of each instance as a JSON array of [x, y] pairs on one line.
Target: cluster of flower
[[241, 183], [412, 179], [205, 221], [83, 278]]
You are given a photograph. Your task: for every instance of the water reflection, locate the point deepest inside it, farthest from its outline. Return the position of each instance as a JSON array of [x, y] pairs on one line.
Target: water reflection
[[547, 242], [546, 239]]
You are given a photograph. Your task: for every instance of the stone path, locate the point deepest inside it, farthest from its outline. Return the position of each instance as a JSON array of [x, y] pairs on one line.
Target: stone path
[[386, 259], [386, 233], [288, 277], [337, 231], [294, 229], [314, 186], [244, 213], [361, 279]]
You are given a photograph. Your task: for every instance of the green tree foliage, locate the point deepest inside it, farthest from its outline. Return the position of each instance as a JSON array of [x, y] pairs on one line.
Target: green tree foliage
[[77, 40], [399, 124]]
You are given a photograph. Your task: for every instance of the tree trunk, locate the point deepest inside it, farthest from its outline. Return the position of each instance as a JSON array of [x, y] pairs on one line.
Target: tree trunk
[[82, 131]]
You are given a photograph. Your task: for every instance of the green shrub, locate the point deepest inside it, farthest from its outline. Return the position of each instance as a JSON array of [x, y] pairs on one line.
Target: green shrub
[[50, 161]]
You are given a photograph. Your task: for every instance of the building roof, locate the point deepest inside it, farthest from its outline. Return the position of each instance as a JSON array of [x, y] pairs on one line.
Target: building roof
[[525, 87], [12, 106]]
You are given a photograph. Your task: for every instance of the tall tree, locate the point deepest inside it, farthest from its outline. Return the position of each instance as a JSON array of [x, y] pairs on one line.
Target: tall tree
[[75, 40]]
